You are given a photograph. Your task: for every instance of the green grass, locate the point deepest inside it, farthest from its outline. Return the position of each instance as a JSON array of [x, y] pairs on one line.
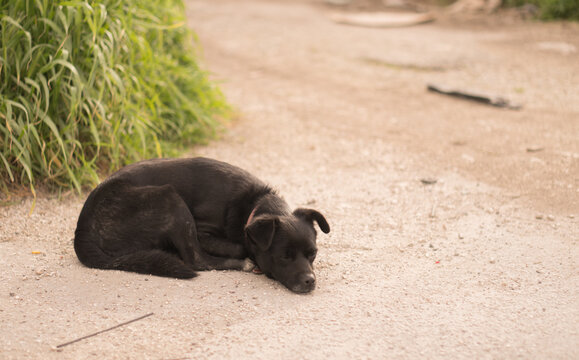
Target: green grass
[[88, 86], [551, 9]]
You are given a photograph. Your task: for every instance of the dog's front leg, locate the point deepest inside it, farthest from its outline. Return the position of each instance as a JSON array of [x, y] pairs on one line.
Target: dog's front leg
[[222, 254], [184, 237], [221, 247]]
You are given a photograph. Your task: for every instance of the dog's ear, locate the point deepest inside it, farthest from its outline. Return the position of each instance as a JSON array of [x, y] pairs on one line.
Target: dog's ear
[[261, 230], [310, 215]]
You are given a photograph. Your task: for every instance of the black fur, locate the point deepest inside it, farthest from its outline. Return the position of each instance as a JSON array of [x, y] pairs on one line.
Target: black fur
[[173, 217]]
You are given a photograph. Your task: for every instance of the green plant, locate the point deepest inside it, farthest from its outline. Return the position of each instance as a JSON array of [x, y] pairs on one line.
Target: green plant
[[551, 9], [88, 86]]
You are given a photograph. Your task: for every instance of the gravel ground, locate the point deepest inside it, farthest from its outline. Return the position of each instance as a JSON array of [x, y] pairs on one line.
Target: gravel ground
[[480, 264]]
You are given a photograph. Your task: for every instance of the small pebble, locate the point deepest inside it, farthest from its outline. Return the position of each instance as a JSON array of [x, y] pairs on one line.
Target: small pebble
[[429, 181], [535, 148], [550, 217]]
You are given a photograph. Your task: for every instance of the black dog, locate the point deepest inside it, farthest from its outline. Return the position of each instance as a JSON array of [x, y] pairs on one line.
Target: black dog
[[171, 217]]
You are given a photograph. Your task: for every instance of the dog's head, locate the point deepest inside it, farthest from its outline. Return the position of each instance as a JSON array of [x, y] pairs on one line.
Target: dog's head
[[284, 247]]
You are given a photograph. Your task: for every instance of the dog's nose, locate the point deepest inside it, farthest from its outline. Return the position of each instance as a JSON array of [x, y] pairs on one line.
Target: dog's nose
[[308, 280]]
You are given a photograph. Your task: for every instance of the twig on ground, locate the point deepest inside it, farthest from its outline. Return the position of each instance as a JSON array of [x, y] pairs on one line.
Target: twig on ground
[[433, 210], [102, 331]]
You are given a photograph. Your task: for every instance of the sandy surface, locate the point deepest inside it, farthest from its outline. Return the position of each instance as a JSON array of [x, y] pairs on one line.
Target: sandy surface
[[482, 264]]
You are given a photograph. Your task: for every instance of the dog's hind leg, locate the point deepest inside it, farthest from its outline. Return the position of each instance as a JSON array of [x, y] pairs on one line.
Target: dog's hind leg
[[121, 228]]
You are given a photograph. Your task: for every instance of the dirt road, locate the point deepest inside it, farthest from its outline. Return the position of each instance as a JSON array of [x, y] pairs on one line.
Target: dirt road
[[481, 264]]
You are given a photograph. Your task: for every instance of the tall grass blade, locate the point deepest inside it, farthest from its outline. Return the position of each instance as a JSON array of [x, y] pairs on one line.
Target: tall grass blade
[[88, 86]]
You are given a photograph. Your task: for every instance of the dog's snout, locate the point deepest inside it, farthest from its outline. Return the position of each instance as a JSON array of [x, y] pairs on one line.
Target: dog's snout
[[304, 283]]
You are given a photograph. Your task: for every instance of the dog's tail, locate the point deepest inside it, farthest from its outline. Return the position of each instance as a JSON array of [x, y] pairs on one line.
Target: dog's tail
[[154, 262]]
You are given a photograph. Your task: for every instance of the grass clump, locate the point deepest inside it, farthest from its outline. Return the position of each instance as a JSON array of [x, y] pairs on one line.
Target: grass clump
[[551, 9], [88, 86]]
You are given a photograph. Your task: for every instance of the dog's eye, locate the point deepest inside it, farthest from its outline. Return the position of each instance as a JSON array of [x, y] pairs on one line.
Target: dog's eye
[[311, 255]]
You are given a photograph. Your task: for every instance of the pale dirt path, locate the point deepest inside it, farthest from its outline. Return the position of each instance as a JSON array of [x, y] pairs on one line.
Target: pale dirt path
[[459, 269]]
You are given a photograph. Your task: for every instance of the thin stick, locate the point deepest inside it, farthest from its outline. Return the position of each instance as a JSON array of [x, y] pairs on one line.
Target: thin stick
[[105, 330]]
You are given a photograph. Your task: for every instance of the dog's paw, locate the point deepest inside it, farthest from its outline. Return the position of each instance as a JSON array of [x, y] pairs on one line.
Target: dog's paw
[[248, 265]]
